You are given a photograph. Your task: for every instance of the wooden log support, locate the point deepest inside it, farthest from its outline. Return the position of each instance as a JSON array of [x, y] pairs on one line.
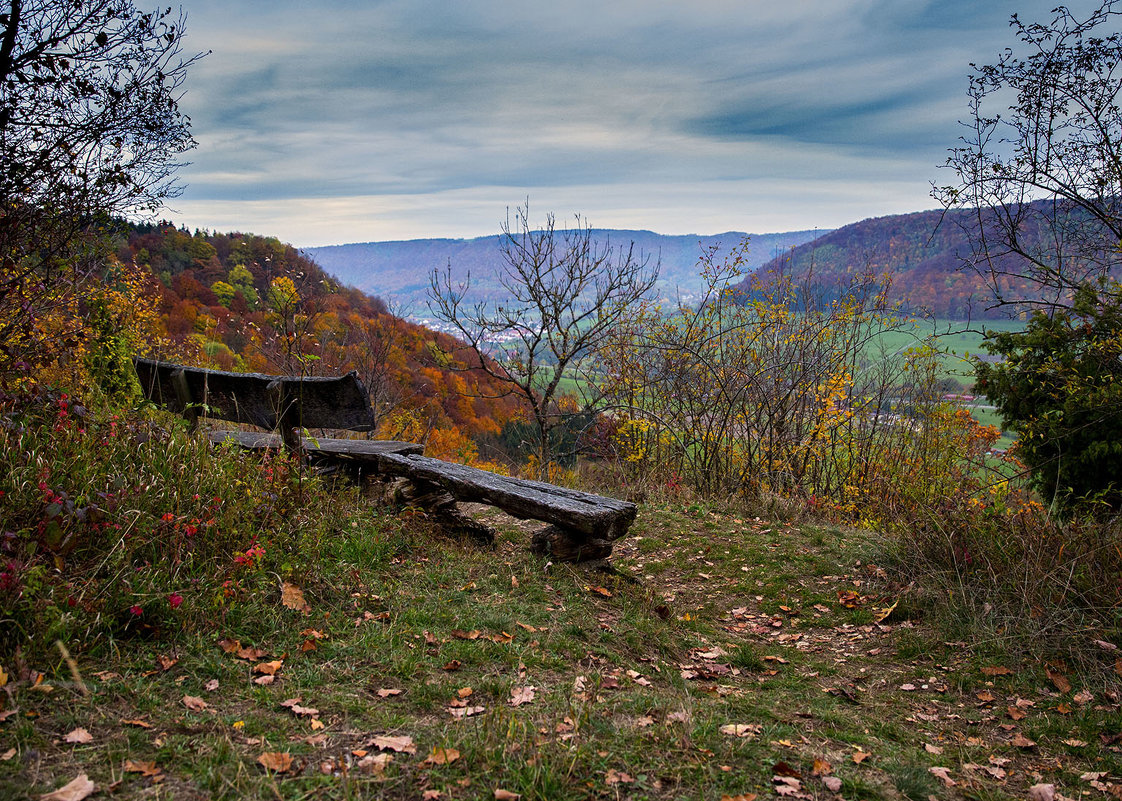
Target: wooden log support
[[584, 525]]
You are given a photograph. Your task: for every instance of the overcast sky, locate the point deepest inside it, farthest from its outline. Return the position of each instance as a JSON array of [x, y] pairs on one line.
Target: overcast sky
[[357, 120]]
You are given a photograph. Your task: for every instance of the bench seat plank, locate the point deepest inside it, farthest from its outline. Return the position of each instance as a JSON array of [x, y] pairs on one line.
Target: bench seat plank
[[593, 515], [358, 450]]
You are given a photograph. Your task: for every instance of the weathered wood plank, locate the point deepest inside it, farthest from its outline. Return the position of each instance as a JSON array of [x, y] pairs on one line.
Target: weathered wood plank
[[594, 516], [266, 401], [358, 450]]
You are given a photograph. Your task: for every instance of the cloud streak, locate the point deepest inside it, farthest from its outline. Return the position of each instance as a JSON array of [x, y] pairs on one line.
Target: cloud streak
[[356, 120]]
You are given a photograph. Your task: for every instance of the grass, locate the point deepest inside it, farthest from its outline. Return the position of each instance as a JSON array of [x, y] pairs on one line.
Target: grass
[[747, 650]]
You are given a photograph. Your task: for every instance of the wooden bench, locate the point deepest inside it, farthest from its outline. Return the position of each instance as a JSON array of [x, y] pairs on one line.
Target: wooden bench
[[582, 526]]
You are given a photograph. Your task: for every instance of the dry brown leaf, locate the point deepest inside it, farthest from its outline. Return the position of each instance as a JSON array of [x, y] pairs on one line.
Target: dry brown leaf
[[264, 680], [7, 755], [75, 790], [464, 692], [268, 668], [140, 724], [453, 665], [601, 591], [230, 646], [384, 692], [374, 764], [522, 695], [506, 795], [460, 634], [4, 675], [1016, 713], [1042, 792], [78, 736], [313, 634], [741, 797], [211, 685], [944, 774], [165, 662], [1083, 697], [292, 597], [932, 749], [996, 670], [465, 711], [1059, 680], [833, 783], [276, 761], [821, 768], [741, 729], [617, 777], [402, 744], [859, 757], [252, 654], [194, 703], [442, 756], [143, 768], [1020, 741], [307, 646]]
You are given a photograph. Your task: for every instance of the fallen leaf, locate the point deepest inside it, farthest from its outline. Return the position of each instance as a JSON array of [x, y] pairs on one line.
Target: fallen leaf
[[313, 634], [859, 757], [442, 756], [7, 755], [880, 615], [1076, 743], [741, 797], [1083, 697], [932, 749], [140, 724], [194, 703], [741, 729], [1016, 713], [460, 634], [1042, 792], [387, 693], [211, 685], [374, 764], [466, 711], [402, 744], [944, 774], [833, 783], [617, 777], [75, 790], [264, 680], [78, 736], [268, 668], [783, 769], [1020, 741], [506, 795], [996, 670], [464, 692], [166, 663], [1059, 680], [521, 695], [143, 768], [601, 591], [787, 785], [3, 676], [292, 597], [276, 761], [230, 646], [453, 665], [252, 654], [821, 767]]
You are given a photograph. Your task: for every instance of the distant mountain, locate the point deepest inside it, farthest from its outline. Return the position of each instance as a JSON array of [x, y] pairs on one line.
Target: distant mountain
[[923, 253], [399, 271]]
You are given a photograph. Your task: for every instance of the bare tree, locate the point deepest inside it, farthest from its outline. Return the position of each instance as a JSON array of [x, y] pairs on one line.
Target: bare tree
[[89, 128], [1042, 172], [565, 291]]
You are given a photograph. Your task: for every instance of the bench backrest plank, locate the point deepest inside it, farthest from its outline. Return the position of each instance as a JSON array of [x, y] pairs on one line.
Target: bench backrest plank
[[266, 401]]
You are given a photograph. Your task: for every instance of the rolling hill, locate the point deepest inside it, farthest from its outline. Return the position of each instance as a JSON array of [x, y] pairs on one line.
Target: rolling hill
[[399, 271]]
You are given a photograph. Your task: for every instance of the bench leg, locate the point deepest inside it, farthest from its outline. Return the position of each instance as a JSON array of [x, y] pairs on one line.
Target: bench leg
[[565, 545], [439, 504]]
